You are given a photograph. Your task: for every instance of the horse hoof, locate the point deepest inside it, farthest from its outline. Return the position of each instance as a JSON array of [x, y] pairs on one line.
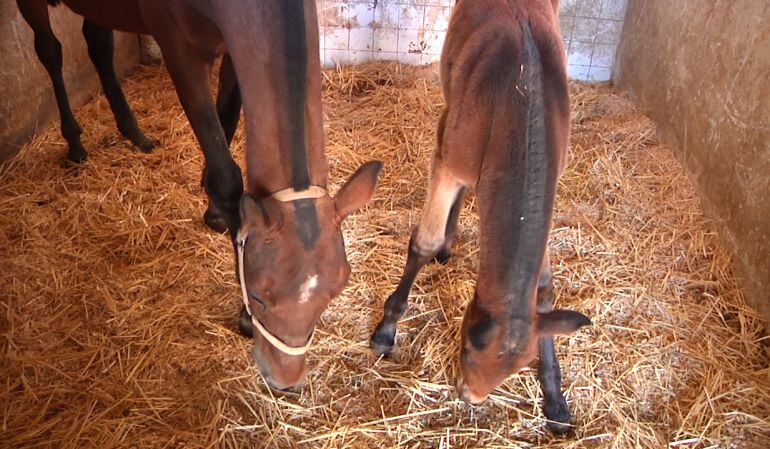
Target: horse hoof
[[558, 416], [559, 428], [244, 323], [215, 221], [443, 256], [74, 163], [381, 343], [144, 143], [76, 156]]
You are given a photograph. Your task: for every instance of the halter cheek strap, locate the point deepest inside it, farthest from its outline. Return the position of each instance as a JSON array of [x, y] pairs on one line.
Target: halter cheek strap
[[286, 195]]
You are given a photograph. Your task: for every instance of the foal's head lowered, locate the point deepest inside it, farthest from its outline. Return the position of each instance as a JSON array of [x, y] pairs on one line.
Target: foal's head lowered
[[291, 264], [496, 345]]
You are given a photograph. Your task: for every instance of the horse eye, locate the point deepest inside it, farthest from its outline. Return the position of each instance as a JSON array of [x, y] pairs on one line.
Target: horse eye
[[258, 300]]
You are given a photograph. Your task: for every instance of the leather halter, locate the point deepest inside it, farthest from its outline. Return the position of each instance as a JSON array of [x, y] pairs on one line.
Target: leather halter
[[284, 196]]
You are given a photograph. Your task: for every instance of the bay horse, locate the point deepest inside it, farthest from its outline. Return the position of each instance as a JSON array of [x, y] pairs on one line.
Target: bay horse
[[100, 50], [285, 227], [99, 39], [504, 131]]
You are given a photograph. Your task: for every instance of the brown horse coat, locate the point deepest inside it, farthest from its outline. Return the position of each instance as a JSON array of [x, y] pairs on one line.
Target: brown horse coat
[[504, 132]]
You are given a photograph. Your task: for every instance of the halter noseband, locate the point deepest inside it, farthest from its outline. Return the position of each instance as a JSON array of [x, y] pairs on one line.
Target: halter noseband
[[284, 196]]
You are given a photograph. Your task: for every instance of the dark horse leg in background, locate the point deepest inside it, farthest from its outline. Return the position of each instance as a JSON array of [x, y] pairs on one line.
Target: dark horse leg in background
[[100, 49], [48, 50], [229, 112]]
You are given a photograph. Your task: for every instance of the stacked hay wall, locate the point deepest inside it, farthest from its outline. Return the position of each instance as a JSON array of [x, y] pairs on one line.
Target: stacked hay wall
[[699, 68], [26, 97]]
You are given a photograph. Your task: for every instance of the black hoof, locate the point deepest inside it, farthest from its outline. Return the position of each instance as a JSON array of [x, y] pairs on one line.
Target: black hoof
[[138, 139], [558, 416], [382, 342], [215, 221], [443, 256], [144, 143], [558, 428], [244, 323], [76, 156]]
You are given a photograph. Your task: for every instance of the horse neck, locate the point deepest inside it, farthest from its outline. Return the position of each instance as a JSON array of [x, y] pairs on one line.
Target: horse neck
[[274, 48]]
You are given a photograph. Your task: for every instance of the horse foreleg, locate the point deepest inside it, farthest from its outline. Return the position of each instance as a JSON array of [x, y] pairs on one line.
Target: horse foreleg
[[48, 50], [222, 177], [101, 48], [228, 98], [426, 242], [555, 406], [229, 112]]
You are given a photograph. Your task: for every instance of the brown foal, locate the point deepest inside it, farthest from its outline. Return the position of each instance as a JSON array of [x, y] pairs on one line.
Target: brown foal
[[504, 132], [286, 227]]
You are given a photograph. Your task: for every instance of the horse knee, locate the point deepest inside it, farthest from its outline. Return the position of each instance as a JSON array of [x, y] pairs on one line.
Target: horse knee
[[225, 185], [426, 244]]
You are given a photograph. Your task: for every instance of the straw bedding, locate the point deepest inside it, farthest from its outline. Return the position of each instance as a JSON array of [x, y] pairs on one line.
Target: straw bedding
[[118, 305]]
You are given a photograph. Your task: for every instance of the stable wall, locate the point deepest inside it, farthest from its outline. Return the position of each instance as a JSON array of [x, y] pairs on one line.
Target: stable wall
[[26, 97], [413, 32], [701, 70]]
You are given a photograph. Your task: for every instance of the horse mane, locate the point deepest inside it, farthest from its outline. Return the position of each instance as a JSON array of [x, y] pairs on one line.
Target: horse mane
[[54, 2]]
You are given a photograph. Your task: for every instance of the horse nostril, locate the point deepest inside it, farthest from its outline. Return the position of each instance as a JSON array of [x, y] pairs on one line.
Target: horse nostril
[[466, 395]]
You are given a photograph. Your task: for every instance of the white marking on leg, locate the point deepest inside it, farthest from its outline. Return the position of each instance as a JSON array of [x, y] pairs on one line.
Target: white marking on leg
[[442, 193], [306, 289]]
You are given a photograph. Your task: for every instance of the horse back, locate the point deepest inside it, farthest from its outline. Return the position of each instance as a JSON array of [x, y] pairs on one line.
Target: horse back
[[121, 15]]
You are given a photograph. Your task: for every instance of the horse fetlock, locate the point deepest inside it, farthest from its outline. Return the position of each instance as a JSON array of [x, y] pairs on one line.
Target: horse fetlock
[[383, 338], [226, 190], [71, 131], [214, 219]]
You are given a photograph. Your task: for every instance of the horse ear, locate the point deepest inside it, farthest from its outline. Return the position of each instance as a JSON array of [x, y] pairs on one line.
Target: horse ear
[[560, 322], [358, 190], [258, 215]]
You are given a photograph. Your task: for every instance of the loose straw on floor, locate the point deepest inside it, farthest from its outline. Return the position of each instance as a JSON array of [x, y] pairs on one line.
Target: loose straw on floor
[[118, 305]]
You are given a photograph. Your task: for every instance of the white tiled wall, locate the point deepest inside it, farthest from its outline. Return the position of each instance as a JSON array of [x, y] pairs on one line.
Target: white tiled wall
[[412, 32], [591, 32]]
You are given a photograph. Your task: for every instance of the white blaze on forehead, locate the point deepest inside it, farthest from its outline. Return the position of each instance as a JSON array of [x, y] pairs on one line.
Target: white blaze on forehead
[[306, 289]]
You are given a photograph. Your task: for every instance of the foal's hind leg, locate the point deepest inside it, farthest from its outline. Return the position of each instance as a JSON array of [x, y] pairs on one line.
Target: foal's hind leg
[[48, 50], [101, 50], [229, 112], [426, 242], [555, 406]]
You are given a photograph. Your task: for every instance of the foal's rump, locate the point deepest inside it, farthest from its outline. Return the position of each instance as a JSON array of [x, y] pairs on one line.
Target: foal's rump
[[485, 79]]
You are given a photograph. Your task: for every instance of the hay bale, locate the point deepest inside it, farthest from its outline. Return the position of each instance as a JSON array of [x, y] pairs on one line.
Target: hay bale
[[118, 305]]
